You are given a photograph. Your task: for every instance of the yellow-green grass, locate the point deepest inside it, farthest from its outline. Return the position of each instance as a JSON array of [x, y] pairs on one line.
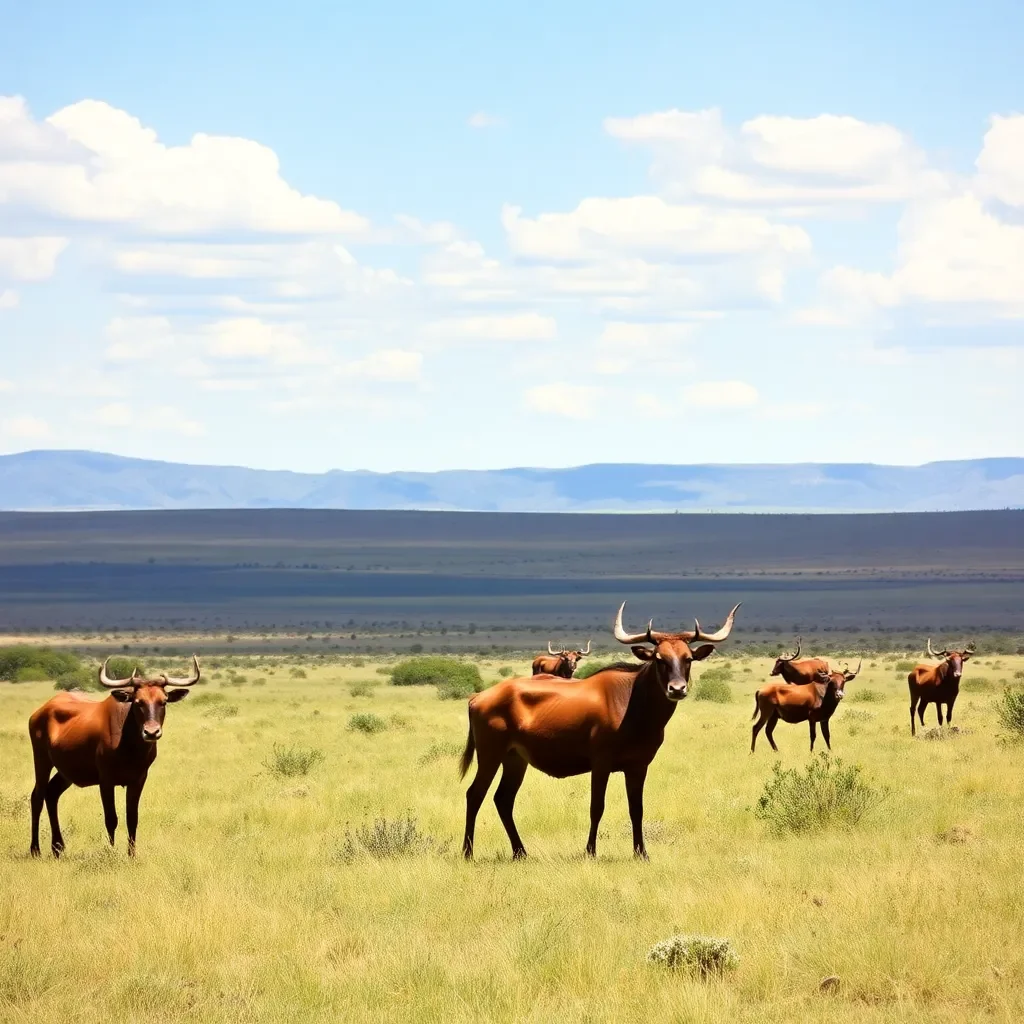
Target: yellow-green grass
[[239, 907]]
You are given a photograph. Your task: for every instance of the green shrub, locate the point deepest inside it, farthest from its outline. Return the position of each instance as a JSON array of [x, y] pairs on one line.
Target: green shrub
[[700, 954], [904, 666], [433, 670], [287, 762], [865, 696], [456, 689], [198, 700], [826, 793], [221, 711], [367, 722], [297, 673], [587, 669], [387, 840], [976, 684], [506, 671], [714, 687], [80, 679], [438, 751], [25, 663], [363, 688], [1011, 712]]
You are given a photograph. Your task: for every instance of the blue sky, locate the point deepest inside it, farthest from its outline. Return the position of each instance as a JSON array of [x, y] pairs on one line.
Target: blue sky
[[315, 236]]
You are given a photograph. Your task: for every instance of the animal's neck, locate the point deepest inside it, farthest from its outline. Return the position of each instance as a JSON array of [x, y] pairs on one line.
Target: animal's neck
[[648, 697], [128, 739]]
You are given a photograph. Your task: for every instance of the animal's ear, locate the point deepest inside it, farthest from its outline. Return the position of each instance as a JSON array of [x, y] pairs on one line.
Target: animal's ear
[[702, 652], [176, 695], [122, 696], [643, 653]]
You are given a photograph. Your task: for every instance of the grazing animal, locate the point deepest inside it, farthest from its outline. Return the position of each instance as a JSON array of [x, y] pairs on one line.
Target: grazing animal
[[937, 684], [794, 671], [814, 703], [103, 743], [559, 663], [613, 721]]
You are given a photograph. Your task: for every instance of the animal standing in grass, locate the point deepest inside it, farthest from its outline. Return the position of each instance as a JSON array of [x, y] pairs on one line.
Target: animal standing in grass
[[793, 671], [937, 684], [814, 703], [103, 743], [559, 663], [613, 721]]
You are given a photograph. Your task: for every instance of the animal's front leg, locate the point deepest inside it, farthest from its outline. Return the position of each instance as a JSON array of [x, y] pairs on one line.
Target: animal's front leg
[[598, 785], [635, 779], [109, 810], [132, 799]]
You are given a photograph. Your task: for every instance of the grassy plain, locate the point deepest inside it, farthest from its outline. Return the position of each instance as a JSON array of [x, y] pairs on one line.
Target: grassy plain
[[246, 903]]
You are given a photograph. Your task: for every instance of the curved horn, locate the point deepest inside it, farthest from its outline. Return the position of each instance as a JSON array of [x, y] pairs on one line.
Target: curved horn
[[583, 653], [116, 684], [852, 675], [556, 653], [935, 654], [631, 638], [970, 647], [194, 678], [796, 653], [722, 634]]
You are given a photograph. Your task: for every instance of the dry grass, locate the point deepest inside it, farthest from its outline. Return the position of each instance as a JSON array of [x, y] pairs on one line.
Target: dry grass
[[238, 907]]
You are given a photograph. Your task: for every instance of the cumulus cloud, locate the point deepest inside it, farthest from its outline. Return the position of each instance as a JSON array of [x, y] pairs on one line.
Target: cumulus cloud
[[9, 298], [1001, 161], [248, 338], [30, 258], [568, 401], [28, 428], [720, 394], [91, 162], [511, 327]]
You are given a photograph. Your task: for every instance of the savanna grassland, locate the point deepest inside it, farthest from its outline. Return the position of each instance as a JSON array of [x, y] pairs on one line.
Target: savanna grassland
[[261, 891]]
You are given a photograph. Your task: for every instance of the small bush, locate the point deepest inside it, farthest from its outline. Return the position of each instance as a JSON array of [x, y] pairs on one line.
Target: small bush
[[506, 671], [387, 840], [221, 711], [288, 762], [904, 666], [25, 663], [700, 954], [384, 670], [456, 689], [433, 671], [80, 680], [866, 696], [977, 684], [297, 673], [1011, 712], [198, 700], [438, 751], [121, 667], [714, 687], [587, 669], [363, 688], [367, 722], [826, 793]]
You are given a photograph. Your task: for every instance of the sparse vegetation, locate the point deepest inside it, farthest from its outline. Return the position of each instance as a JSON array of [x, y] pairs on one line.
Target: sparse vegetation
[[713, 685], [700, 954], [366, 721], [288, 762], [1011, 711], [362, 688], [864, 695], [436, 670], [27, 664], [387, 840]]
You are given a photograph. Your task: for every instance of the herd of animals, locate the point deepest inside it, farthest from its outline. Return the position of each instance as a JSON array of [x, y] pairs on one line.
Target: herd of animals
[[611, 721]]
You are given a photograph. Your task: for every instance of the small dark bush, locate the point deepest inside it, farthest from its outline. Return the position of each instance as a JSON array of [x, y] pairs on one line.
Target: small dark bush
[[121, 666], [287, 762], [438, 751], [506, 671], [367, 722], [198, 700], [221, 711], [25, 663], [364, 688], [976, 684], [713, 685], [826, 793], [81, 679], [904, 666], [386, 840], [297, 673], [1011, 712], [865, 696], [435, 670]]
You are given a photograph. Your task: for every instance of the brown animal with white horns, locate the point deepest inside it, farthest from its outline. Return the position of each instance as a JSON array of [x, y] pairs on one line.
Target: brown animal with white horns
[[794, 671], [613, 721], [814, 703], [937, 684], [559, 663], [103, 743]]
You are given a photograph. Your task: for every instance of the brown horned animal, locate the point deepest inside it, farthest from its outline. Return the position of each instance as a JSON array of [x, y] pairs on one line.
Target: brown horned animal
[[814, 703], [560, 663], [105, 743], [613, 721], [937, 684], [794, 671]]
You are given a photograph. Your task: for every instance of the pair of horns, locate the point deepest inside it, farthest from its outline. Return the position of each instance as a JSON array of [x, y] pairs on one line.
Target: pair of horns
[[796, 653], [651, 636], [162, 680], [561, 650], [969, 649]]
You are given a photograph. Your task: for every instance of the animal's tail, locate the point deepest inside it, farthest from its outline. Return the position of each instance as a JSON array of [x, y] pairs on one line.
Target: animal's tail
[[757, 694], [467, 754]]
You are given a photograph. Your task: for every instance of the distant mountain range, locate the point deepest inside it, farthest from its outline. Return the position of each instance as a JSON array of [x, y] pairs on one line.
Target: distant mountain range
[[75, 480]]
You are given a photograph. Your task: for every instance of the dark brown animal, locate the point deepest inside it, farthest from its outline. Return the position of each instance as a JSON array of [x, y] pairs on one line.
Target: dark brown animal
[[814, 703], [613, 721], [558, 663], [794, 671], [937, 684], [105, 743]]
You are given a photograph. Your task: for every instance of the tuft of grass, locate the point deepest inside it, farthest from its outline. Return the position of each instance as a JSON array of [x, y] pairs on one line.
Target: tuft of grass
[[713, 685], [506, 671], [291, 761], [81, 679], [977, 684], [702, 955], [866, 696], [363, 688], [1010, 709], [827, 793], [205, 699], [221, 711], [12, 806], [388, 840], [367, 722], [297, 673], [438, 751]]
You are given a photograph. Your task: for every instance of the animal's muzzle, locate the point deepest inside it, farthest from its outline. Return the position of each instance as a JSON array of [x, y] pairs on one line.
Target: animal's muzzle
[[152, 734], [676, 691]]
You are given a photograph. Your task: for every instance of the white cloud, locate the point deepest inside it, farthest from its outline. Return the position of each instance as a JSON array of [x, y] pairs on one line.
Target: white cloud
[[115, 414], [248, 338], [133, 338], [513, 327], [1001, 161], [30, 259], [9, 299], [5, 385], [392, 365], [94, 163], [720, 394], [26, 427], [570, 401], [482, 120]]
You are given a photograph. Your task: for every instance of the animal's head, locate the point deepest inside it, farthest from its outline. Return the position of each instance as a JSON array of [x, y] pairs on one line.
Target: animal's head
[[568, 660], [148, 697], [954, 659], [781, 661], [673, 653], [838, 680]]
